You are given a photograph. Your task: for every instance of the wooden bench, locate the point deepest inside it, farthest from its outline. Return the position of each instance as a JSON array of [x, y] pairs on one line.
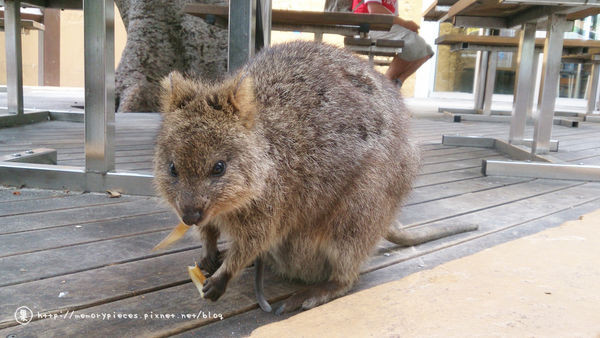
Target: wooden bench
[[347, 24], [355, 27], [508, 43], [374, 47]]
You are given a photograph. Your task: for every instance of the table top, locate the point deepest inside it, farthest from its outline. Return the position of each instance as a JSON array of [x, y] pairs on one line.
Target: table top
[[437, 9], [302, 18], [511, 13], [27, 24]]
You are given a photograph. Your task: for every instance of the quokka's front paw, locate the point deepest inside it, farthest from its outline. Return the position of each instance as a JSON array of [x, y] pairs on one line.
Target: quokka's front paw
[[214, 287], [211, 263]]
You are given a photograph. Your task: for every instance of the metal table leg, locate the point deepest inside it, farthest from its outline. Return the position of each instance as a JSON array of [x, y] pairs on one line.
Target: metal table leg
[[99, 174], [14, 66], [550, 77], [40, 58], [242, 33], [99, 85], [480, 76], [490, 81], [535, 90], [524, 83], [592, 89]]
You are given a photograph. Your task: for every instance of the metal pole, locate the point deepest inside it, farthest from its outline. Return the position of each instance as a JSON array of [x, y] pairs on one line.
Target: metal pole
[[99, 85], [480, 76], [592, 89], [490, 82], [242, 33], [40, 57], [550, 78], [524, 83], [265, 23], [536, 78], [318, 37], [577, 81], [14, 62]]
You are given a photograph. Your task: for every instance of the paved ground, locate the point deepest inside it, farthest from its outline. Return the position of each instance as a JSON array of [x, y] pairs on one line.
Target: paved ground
[[544, 285]]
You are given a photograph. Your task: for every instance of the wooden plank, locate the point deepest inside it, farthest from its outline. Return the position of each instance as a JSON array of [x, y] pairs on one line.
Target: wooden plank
[[457, 188], [483, 8], [583, 13], [475, 153], [63, 237], [437, 10], [290, 17], [12, 195], [432, 179], [167, 299], [441, 209], [507, 41], [72, 259], [71, 201], [80, 216], [446, 150], [457, 8], [456, 165], [27, 24]]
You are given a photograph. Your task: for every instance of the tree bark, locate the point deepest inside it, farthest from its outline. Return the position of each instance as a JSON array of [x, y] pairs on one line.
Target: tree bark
[[162, 38], [338, 5]]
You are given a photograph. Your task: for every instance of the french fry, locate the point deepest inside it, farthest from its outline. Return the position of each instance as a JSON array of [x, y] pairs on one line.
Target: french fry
[[197, 278], [173, 237]]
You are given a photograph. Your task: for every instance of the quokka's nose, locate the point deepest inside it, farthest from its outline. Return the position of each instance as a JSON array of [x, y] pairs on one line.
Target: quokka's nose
[[191, 217]]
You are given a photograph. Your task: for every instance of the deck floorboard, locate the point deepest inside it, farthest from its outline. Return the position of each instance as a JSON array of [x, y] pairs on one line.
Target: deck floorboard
[[86, 253]]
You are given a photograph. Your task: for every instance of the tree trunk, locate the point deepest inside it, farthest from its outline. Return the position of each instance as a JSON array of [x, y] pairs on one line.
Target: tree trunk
[[338, 5], [160, 39]]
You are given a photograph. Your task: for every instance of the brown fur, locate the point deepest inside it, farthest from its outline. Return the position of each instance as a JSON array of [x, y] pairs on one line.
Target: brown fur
[[318, 161]]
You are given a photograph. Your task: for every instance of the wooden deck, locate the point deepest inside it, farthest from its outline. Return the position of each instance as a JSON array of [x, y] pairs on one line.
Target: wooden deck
[[86, 258]]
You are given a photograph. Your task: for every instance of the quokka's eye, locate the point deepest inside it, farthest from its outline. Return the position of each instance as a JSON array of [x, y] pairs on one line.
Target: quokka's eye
[[218, 169], [172, 169]]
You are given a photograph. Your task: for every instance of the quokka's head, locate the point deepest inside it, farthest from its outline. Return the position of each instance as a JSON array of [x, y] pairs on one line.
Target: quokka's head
[[209, 159]]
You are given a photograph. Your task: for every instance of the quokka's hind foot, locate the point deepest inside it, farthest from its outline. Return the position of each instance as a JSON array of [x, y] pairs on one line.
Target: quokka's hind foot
[[312, 296]]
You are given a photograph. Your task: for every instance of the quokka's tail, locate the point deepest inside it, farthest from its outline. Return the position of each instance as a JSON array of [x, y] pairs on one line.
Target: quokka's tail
[[415, 236]]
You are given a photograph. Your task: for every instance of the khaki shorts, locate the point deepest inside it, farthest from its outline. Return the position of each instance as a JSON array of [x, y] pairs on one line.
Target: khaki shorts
[[415, 46]]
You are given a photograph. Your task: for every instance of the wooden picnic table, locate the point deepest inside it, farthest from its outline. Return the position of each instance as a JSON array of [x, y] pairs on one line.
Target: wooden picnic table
[[574, 50], [527, 14]]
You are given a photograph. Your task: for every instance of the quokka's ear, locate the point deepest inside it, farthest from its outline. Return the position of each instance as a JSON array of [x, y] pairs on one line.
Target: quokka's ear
[[243, 100], [177, 91]]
